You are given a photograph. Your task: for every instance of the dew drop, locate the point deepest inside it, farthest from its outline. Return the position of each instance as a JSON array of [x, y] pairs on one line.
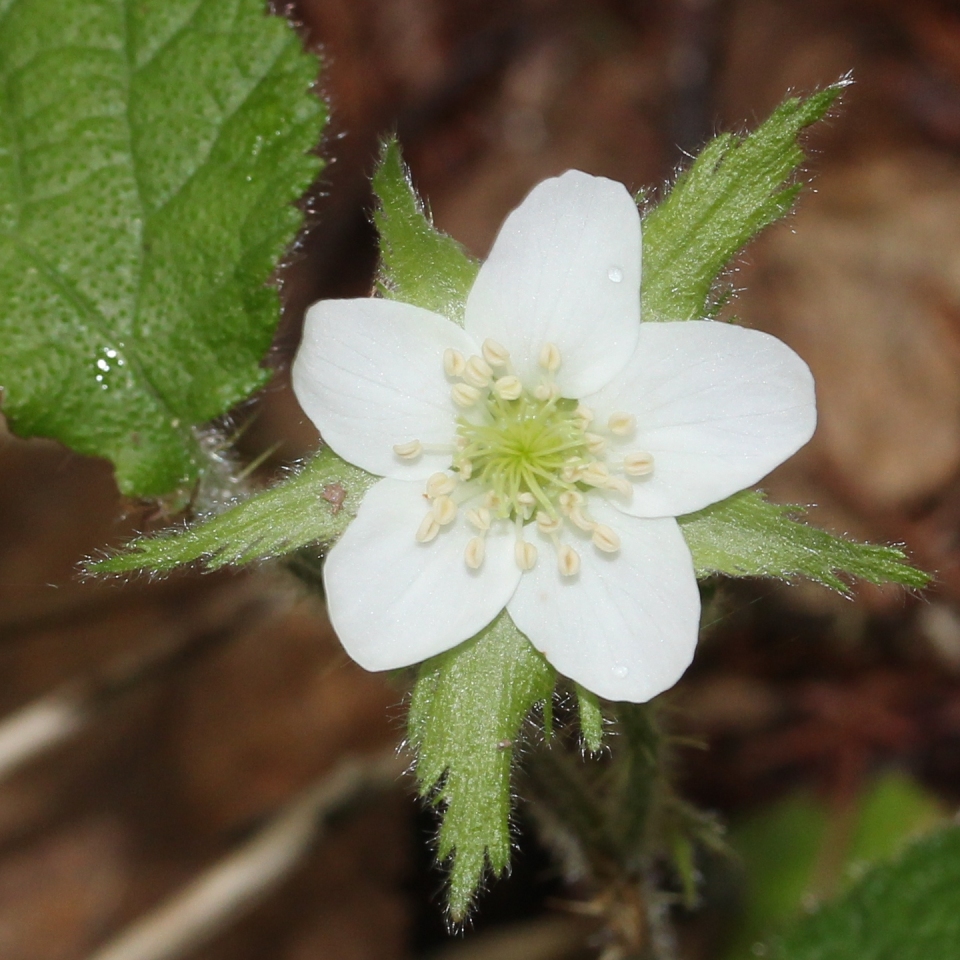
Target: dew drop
[[111, 353], [619, 670], [615, 274], [103, 365]]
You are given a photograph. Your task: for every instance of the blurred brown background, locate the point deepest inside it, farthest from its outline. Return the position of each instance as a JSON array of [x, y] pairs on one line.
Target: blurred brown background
[[217, 698]]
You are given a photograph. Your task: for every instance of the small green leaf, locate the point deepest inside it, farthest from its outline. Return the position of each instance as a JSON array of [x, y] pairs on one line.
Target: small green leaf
[[419, 264], [467, 709], [150, 156], [735, 188], [314, 504], [747, 536], [591, 719], [905, 910]]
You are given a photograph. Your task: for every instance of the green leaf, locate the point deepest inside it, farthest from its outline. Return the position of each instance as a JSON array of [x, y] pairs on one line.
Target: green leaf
[[419, 265], [314, 504], [591, 719], [905, 910], [735, 188], [150, 155], [747, 536], [466, 712]]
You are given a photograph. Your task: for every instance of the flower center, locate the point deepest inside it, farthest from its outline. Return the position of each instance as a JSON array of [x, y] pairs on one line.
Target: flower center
[[523, 454]]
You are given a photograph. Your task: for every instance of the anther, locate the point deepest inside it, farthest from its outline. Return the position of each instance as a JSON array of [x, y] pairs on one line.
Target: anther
[[622, 423], [583, 413], [525, 554], [547, 524], [595, 443], [579, 519], [453, 362], [638, 464], [464, 395], [550, 357], [480, 518], [474, 553], [546, 391], [440, 484], [595, 474], [619, 485], [605, 539], [570, 499], [477, 372], [444, 510], [508, 388], [408, 451], [495, 353], [465, 467], [428, 529], [568, 560]]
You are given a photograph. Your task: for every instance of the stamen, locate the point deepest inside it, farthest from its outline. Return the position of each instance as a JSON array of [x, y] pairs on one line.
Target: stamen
[[474, 553], [428, 529], [605, 539], [579, 519], [595, 474], [546, 391], [408, 451], [548, 524], [444, 510], [595, 443], [570, 499], [638, 464], [480, 518], [619, 485], [453, 362], [495, 353], [464, 395], [550, 357], [440, 484], [525, 554], [477, 372], [508, 388], [583, 413], [568, 560], [622, 423], [466, 469]]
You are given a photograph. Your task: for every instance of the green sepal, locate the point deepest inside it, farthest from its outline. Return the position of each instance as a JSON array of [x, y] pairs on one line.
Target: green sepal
[[466, 712], [591, 719], [150, 158], [747, 536], [905, 910], [419, 264], [735, 188], [314, 503]]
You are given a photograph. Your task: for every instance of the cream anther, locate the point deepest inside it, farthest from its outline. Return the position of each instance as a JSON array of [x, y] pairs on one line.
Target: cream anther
[[464, 395], [638, 464], [583, 413], [408, 451], [622, 424], [492, 502], [568, 560], [444, 510], [508, 388], [440, 484], [466, 469], [595, 443], [570, 470], [526, 498], [605, 539], [480, 518], [579, 519], [428, 529], [619, 485], [546, 391], [525, 554], [495, 353], [477, 372], [474, 553], [570, 499], [549, 358], [454, 362], [548, 524], [595, 474]]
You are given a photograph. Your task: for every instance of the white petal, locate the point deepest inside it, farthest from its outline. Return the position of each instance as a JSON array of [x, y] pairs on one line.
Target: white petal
[[394, 601], [717, 405], [626, 625], [369, 374], [565, 269]]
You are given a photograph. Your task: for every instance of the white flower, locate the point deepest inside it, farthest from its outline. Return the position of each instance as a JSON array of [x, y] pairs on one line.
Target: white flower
[[536, 458]]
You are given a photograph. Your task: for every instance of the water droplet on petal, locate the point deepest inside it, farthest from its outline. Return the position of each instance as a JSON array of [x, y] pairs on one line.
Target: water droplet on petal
[[615, 274], [619, 670]]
